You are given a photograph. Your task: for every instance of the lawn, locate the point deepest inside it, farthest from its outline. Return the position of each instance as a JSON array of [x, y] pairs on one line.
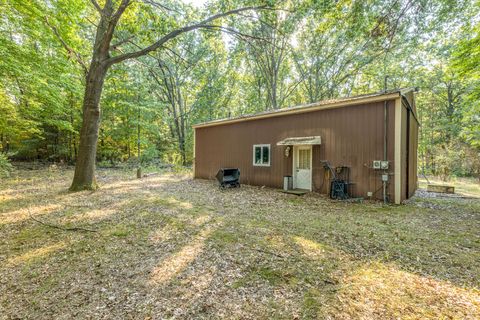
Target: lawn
[[465, 186], [167, 246]]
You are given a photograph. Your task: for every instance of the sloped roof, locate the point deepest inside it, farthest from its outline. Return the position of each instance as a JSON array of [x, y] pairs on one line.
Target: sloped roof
[[325, 104]]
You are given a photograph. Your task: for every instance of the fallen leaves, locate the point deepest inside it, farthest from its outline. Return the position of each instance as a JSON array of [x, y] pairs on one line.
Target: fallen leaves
[[168, 246], [379, 291], [38, 253], [176, 263]]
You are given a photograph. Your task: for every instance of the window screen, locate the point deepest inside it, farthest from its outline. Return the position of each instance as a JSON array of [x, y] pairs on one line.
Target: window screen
[[258, 155], [265, 155], [304, 159], [261, 155]]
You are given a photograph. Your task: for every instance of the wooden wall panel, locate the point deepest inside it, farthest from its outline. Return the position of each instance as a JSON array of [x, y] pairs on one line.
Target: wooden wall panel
[[404, 153], [413, 149], [351, 136]]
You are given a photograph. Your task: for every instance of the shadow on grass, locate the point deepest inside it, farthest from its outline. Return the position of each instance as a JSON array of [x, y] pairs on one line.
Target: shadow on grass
[[437, 243], [95, 270], [161, 249]]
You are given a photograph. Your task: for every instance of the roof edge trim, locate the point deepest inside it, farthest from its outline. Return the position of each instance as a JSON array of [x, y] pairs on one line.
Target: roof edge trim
[[296, 110]]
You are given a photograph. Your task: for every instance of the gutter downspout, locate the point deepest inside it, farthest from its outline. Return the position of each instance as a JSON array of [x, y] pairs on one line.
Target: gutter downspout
[[385, 131]]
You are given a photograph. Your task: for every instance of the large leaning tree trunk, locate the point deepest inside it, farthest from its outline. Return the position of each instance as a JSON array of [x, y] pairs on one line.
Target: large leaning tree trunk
[[101, 61]]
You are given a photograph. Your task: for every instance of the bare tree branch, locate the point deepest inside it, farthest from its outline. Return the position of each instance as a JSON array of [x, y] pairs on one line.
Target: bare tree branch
[[119, 43], [123, 6], [113, 19], [160, 5], [97, 6], [70, 50], [91, 22], [56, 226], [232, 31], [175, 34]]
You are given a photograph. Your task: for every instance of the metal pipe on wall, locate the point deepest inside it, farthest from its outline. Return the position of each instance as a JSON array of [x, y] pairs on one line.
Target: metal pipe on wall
[[385, 132]]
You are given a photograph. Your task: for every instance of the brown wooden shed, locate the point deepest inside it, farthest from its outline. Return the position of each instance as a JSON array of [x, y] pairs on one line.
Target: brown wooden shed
[[365, 133]]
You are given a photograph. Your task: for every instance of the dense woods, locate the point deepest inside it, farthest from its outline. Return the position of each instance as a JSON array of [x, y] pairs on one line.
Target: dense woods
[[94, 91], [169, 64]]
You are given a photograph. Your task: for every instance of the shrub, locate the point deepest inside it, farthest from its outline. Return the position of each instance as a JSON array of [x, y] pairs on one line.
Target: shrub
[[5, 166]]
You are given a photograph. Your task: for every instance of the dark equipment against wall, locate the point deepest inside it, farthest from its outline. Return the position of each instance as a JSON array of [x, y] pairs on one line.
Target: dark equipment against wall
[[228, 177], [338, 190], [339, 182]]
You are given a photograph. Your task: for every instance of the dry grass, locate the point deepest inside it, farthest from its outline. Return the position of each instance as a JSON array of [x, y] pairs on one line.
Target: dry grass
[[463, 186], [168, 246]]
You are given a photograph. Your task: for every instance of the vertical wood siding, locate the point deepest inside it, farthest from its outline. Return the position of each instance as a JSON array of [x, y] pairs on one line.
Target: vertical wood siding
[[404, 153], [412, 174], [413, 148], [351, 136]]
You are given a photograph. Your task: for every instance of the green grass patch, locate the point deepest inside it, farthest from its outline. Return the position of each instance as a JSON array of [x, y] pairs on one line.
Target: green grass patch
[[311, 304], [223, 237], [121, 231]]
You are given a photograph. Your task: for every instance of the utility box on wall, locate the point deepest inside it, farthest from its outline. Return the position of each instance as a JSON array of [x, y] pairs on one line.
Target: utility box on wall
[[380, 165], [287, 183]]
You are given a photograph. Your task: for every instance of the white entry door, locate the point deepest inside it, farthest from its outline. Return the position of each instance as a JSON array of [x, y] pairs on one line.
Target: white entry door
[[302, 167]]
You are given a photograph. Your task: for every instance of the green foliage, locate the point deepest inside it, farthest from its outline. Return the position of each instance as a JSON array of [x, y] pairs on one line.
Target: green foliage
[[305, 52], [467, 63], [40, 86], [5, 166]]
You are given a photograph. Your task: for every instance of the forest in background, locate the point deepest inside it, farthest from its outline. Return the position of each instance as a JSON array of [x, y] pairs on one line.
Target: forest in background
[[292, 53]]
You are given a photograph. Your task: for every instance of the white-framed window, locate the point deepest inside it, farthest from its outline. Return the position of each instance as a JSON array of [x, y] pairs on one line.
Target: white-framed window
[[261, 155]]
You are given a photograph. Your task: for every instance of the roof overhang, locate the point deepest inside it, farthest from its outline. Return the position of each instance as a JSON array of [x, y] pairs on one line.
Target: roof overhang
[[298, 141]]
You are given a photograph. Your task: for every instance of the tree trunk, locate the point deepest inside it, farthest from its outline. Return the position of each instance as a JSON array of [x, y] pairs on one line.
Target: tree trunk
[[84, 178], [183, 152], [75, 148]]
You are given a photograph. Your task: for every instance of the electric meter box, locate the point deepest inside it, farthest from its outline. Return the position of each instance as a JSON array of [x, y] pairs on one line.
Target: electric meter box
[[384, 165], [380, 165]]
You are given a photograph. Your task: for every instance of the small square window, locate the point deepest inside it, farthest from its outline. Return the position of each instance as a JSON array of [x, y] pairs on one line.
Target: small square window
[[261, 155]]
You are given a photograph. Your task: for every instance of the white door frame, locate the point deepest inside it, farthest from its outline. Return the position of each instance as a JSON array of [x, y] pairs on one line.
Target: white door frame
[[294, 175]]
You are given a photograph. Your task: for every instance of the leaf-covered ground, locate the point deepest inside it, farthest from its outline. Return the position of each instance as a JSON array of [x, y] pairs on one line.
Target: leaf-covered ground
[[168, 246]]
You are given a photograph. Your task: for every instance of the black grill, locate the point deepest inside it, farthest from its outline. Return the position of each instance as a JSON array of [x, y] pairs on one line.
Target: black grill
[[228, 177]]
